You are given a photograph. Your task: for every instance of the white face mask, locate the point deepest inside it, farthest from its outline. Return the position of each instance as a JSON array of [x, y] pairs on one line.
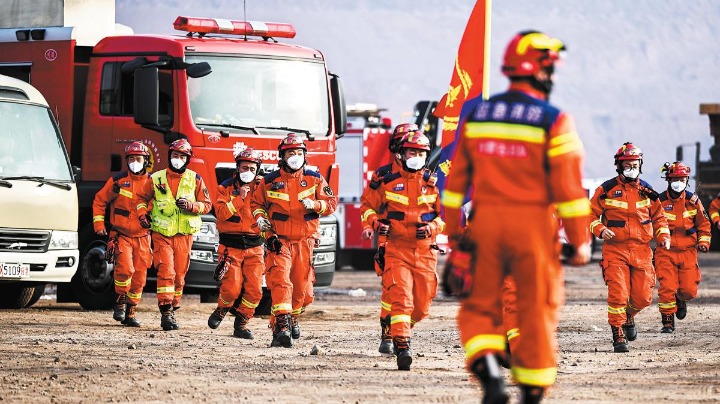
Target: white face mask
[[678, 186], [295, 162], [177, 163], [415, 163], [631, 173], [247, 176], [136, 167]]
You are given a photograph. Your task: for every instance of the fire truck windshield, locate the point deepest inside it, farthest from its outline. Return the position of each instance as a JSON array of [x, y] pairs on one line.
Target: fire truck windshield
[[260, 92], [30, 145]]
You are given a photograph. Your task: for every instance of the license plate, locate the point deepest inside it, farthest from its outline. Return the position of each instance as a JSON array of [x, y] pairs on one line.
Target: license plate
[[15, 270]]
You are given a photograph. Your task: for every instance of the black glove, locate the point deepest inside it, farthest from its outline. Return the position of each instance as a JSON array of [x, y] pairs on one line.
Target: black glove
[[183, 204], [460, 269], [145, 221], [379, 259], [273, 244], [422, 231], [222, 267], [110, 250], [382, 227]]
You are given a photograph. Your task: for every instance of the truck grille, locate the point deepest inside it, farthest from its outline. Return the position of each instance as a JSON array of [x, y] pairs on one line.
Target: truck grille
[[15, 240]]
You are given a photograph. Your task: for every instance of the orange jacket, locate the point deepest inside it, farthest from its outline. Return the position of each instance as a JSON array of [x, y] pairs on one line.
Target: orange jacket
[[689, 224], [202, 202], [372, 192], [517, 149], [714, 210], [630, 209], [279, 195], [233, 210], [407, 200], [120, 192]]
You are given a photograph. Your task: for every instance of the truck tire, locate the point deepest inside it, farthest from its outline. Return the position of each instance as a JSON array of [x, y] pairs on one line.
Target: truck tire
[[93, 283], [39, 291], [18, 295]]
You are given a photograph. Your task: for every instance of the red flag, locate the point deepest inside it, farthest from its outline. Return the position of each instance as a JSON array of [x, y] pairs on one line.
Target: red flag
[[469, 78]]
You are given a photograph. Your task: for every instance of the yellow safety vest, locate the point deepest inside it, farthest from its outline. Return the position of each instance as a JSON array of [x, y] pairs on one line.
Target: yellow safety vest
[[167, 218]]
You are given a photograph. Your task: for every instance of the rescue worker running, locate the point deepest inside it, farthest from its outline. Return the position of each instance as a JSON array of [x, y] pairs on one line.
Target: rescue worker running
[[386, 343], [129, 240], [179, 197], [241, 246], [677, 269], [520, 155], [627, 215], [287, 204], [410, 199]]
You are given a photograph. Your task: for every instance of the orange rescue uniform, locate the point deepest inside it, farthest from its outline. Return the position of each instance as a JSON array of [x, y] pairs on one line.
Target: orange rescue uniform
[[714, 210], [523, 159], [290, 275], [633, 212], [241, 242], [677, 269], [133, 256]]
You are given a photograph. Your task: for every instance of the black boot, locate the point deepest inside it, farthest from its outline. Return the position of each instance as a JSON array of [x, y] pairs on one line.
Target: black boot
[[119, 307], [281, 332], [487, 371], [240, 327], [531, 394], [295, 327], [630, 329], [401, 346], [167, 320], [386, 341], [130, 319], [668, 323], [619, 341], [681, 308], [217, 317]]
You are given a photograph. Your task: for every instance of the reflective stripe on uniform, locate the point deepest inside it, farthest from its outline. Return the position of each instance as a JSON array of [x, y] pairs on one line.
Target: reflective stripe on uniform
[[670, 216], [125, 193], [223, 301], [616, 203], [391, 196], [178, 293], [297, 311], [690, 213], [367, 214], [564, 144], [662, 230], [440, 223], [249, 304], [304, 194], [260, 212], [504, 131], [400, 318], [513, 333], [483, 342], [385, 306], [278, 195], [534, 377], [594, 224], [427, 199], [616, 310], [166, 289], [99, 218], [668, 305], [134, 296], [714, 215], [642, 204], [704, 239], [323, 206], [123, 283], [141, 206], [231, 207], [452, 199], [287, 307], [576, 208]]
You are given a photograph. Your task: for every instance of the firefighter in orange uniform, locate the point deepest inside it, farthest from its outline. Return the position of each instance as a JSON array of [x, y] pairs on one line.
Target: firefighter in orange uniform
[[521, 156], [677, 269], [714, 211], [410, 201], [627, 215], [129, 241], [241, 246], [179, 197], [287, 205], [386, 344]]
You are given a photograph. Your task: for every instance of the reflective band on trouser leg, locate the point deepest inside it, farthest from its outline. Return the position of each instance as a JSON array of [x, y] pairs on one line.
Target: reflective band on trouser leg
[[513, 333], [534, 377], [384, 307], [182, 246], [123, 265], [479, 345], [278, 281], [253, 266], [282, 308], [667, 274], [142, 259], [232, 281], [163, 262], [300, 277]]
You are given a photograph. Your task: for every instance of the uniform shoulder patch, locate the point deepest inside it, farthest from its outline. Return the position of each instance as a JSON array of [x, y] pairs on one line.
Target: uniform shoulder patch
[[328, 190], [206, 193]]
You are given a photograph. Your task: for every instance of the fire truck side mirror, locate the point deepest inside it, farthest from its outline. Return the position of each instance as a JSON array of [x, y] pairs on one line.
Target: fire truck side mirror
[[197, 70], [146, 97], [337, 93]]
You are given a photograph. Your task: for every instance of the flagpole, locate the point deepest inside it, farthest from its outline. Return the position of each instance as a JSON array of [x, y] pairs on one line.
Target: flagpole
[[486, 62]]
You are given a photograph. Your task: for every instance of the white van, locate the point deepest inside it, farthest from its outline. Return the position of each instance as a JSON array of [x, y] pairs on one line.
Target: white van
[[38, 198]]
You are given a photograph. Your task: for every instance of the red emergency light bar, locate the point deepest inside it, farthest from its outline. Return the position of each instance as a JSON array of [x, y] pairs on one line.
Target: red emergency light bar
[[204, 26]]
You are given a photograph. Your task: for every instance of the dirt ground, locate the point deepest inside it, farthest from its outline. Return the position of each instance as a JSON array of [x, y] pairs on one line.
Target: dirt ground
[[60, 353]]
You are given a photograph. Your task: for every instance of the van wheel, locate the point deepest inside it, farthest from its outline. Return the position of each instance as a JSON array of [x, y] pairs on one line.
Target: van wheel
[[93, 283], [19, 295]]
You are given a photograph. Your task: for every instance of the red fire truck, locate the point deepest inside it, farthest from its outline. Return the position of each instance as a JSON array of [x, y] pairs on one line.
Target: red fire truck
[[222, 84]]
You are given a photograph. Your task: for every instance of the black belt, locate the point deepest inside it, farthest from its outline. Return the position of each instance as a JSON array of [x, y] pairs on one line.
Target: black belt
[[241, 241]]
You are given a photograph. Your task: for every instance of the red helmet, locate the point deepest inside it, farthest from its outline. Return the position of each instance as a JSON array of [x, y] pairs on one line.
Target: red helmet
[[675, 170], [247, 155], [291, 141], [628, 151], [530, 51], [181, 146], [137, 149], [398, 135], [415, 140]]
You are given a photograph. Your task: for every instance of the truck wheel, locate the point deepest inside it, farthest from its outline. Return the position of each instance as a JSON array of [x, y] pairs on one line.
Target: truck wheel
[[39, 290], [16, 295], [263, 308], [93, 283]]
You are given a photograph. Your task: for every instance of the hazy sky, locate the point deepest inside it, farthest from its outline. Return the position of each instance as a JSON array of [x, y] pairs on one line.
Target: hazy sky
[[636, 70]]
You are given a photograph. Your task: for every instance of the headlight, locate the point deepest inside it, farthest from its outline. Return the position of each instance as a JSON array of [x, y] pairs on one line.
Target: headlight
[[204, 256], [328, 234], [208, 234], [63, 240]]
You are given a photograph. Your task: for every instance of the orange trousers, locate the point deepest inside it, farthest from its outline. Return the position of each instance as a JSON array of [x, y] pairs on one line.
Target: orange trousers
[[245, 275], [411, 284], [528, 250], [510, 315], [290, 276], [132, 260], [630, 278], [171, 257], [678, 272]]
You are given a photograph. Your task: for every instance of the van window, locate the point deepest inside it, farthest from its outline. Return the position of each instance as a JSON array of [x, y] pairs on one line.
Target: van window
[[117, 92]]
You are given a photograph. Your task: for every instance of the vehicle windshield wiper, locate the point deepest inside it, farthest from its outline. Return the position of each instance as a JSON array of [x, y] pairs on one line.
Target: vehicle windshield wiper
[[307, 133], [227, 125], [4, 183], [41, 180]]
